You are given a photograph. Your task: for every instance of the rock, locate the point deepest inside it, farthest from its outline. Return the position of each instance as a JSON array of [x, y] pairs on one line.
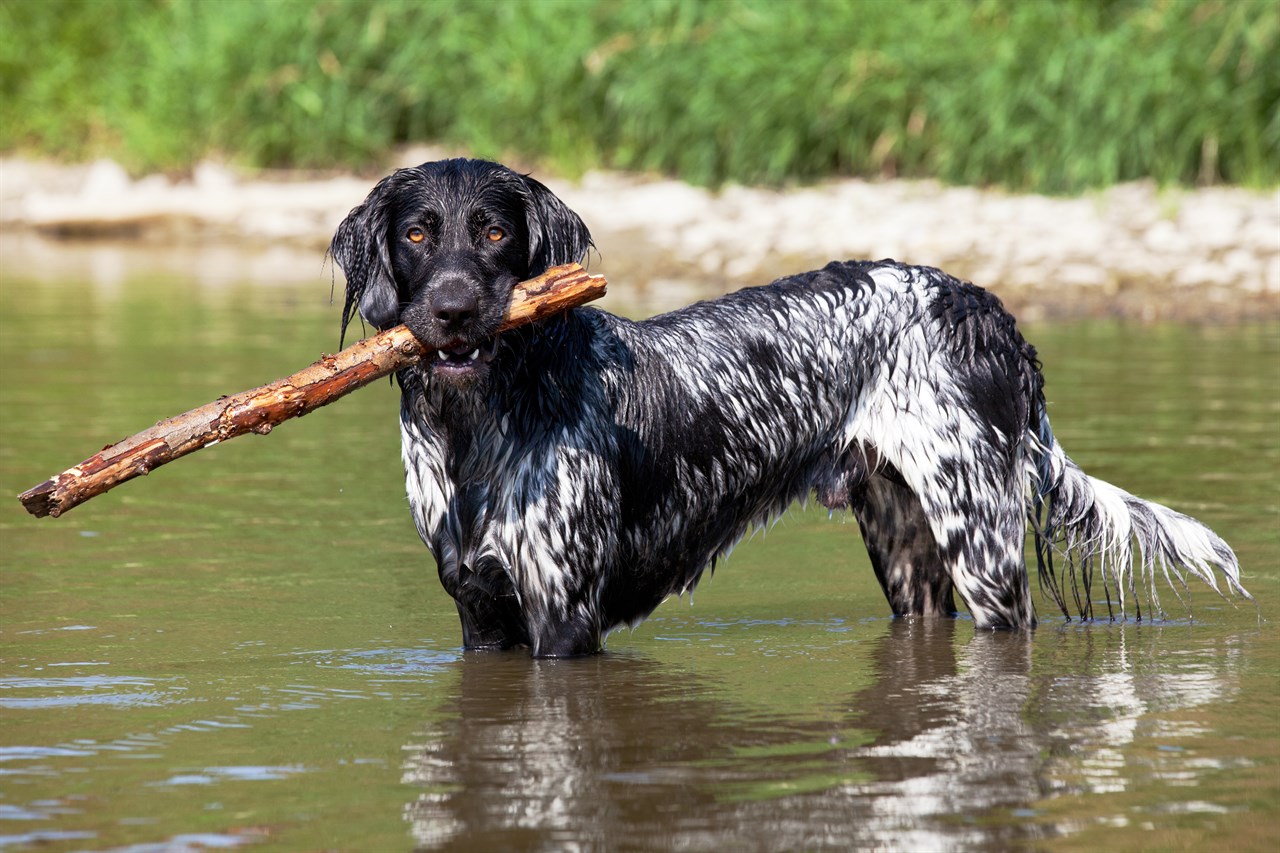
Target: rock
[[213, 177], [1081, 275], [105, 179]]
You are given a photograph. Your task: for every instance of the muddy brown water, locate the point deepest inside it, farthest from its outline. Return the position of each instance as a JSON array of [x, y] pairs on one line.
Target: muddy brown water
[[249, 648]]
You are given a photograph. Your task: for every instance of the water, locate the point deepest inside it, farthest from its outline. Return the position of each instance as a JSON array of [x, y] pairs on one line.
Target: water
[[249, 648]]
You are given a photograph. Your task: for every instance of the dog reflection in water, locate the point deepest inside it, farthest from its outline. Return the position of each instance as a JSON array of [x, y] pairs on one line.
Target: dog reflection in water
[[902, 732]]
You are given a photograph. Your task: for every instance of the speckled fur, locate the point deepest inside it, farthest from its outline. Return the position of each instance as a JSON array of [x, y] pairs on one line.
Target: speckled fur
[[598, 465]]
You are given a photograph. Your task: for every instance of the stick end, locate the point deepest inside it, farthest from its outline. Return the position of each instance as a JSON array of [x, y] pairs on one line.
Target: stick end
[[39, 500]]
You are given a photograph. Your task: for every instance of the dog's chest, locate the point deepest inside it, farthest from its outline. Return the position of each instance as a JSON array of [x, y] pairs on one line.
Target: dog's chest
[[477, 494]]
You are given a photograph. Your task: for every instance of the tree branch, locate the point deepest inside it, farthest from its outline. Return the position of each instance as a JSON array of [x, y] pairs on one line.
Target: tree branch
[[262, 409]]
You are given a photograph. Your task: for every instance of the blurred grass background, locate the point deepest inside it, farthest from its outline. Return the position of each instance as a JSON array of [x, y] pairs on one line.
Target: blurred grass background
[[1047, 95]]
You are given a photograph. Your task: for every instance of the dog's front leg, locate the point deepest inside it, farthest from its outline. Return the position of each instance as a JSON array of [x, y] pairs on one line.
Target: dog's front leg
[[486, 628], [572, 636], [568, 550], [487, 604], [561, 601], [494, 616]]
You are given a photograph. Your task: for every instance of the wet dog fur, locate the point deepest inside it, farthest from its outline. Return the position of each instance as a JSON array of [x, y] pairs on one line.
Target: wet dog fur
[[570, 475]]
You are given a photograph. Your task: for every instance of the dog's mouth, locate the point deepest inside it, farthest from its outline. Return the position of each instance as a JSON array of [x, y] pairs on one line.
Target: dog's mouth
[[462, 358]]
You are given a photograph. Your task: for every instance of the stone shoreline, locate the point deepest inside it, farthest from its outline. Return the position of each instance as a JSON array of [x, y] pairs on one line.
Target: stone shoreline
[[1133, 251]]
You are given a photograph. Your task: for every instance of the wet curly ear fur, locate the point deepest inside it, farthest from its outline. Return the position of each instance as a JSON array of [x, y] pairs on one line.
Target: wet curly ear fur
[[557, 235], [359, 247]]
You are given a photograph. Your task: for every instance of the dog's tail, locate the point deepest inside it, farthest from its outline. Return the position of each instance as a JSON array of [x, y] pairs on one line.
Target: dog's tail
[[1093, 524]]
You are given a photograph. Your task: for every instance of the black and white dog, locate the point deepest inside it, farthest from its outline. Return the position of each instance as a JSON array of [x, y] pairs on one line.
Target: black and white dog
[[570, 475]]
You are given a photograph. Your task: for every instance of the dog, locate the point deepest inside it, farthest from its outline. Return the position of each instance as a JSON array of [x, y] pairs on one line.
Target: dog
[[570, 475]]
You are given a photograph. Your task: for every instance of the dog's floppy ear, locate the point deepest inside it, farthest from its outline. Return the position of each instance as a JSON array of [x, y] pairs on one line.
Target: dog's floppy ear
[[557, 235], [359, 247]]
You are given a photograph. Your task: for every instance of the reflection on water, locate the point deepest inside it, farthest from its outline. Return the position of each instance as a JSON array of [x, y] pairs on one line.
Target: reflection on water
[[250, 648], [1123, 696], [955, 727], [951, 737]]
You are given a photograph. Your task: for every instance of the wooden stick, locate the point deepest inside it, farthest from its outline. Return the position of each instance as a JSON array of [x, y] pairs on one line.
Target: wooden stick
[[263, 408]]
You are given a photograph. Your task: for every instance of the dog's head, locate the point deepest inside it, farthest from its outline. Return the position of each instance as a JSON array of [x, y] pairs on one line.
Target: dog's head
[[439, 248]]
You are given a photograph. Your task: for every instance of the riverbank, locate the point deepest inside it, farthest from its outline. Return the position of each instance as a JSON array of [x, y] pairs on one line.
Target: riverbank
[[1133, 251]]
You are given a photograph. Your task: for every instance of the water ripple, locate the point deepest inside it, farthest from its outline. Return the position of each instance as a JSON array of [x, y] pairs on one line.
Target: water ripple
[[251, 773], [83, 690], [396, 661]]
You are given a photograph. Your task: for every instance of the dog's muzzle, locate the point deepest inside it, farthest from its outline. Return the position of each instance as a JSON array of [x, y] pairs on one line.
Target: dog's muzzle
[[450, 322], [465, 357]]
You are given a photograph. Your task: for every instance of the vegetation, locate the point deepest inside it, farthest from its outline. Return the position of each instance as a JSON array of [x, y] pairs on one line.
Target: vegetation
[[1052, 96]]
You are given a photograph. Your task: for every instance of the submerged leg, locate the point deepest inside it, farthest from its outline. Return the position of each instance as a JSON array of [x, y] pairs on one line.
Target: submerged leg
[[566, 638], [487, 605], [949, 521], [979, 524], [902, 549]]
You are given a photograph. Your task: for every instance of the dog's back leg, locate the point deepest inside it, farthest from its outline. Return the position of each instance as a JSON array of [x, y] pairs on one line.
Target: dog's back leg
[[903, 551], [979, 521], [971, 498]]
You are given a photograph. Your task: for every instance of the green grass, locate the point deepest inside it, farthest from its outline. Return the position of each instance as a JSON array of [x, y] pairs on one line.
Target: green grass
[[1050, 96]]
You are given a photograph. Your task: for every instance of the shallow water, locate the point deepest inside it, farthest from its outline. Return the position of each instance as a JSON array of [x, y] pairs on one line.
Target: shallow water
[[250, 649]]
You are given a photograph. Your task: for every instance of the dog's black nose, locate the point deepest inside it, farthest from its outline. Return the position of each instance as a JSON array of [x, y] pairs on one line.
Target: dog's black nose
[[454, 305]]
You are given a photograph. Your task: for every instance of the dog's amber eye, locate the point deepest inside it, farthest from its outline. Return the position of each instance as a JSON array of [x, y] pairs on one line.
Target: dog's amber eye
[[416, 235], [495, 233]]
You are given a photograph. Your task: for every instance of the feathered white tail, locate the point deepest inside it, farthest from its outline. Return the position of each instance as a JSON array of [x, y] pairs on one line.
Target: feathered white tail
[[1092, 523]]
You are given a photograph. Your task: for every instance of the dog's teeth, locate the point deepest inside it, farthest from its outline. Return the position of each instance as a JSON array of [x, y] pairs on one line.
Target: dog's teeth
[[475, 353], [443, 356]]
